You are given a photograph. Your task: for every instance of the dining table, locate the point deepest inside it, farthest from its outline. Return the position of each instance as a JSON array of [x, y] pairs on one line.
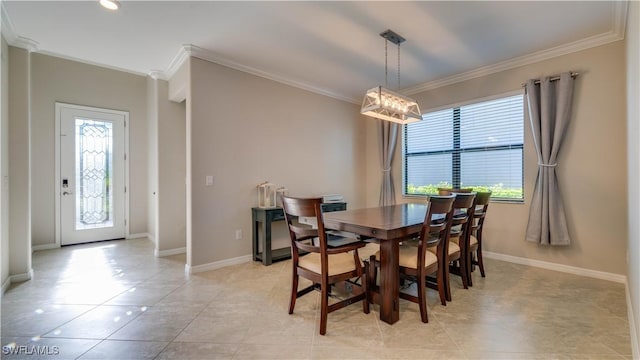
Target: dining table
[[390, 224]]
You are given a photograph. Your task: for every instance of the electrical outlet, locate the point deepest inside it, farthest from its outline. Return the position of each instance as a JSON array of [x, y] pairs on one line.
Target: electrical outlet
[[238, 234], [208, 180]]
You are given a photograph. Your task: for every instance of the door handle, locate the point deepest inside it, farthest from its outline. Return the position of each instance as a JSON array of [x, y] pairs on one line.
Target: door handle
[[67, 193]]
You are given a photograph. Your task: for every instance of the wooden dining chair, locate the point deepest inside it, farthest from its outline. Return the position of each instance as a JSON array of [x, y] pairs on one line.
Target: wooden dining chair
[[324, 265], [417, 262], [475, 236], [457, 261]]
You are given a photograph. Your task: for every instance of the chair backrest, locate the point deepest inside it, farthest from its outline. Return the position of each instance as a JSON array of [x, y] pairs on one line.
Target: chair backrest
[[449, 191], [307, 207], [436, 225], [482, 204], [463, 208]]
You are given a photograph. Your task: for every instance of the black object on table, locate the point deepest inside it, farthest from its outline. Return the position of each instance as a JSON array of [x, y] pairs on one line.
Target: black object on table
[[262, 219]]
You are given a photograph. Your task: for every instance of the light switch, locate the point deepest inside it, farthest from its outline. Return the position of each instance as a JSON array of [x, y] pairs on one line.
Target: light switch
[[208, 180]]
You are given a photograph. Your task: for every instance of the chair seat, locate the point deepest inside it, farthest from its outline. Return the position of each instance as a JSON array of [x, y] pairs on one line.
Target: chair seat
[[408, 257], [338, 263], [453, 248], [456, 240]]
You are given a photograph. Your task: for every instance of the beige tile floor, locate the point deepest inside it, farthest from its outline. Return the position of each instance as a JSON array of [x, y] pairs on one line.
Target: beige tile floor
[[114, 300]]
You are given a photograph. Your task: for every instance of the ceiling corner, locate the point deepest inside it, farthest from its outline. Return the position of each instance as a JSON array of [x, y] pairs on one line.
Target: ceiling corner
[[619, 21], [157, 75], [8, 31], [183, 54], [10, 35]]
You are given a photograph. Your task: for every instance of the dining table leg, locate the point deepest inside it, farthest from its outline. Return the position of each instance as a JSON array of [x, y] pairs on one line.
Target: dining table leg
[[389, 281]]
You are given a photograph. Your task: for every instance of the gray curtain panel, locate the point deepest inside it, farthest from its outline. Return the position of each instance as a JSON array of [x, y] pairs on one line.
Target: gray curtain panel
[[549, 112], [388, 134]]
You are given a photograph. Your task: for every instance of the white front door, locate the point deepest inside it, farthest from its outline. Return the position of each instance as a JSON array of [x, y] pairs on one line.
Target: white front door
[[91, 187]]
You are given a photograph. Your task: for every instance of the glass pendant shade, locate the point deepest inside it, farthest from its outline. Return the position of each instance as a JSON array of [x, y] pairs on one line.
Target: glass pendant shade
[[382, 103], [110, 4]]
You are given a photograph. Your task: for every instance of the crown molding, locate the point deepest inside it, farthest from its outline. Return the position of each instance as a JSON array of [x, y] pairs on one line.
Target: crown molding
[[89, 62], [204, 54], [25, 43], [615, 34], [157, 75], [176, 63]]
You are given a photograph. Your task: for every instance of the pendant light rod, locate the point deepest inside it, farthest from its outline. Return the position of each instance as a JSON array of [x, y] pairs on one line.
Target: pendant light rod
[[386, 56], [393, 37]]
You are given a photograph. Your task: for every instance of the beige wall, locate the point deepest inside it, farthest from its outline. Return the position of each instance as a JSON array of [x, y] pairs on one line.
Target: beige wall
[[152, 155], [19, 164], [592, 162], [4, 165], [243, 130], [178, 84], [167, 169], [60, 80], [633, 125], [171, 171]]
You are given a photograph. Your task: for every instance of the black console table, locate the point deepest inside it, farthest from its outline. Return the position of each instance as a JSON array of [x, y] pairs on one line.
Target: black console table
[[262, 219]]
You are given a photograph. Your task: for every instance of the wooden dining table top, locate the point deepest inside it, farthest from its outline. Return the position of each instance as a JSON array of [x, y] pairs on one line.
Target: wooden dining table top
[[384, 222]]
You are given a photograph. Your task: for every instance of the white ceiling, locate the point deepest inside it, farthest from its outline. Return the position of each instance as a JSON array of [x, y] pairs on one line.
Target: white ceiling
[[329, 47]]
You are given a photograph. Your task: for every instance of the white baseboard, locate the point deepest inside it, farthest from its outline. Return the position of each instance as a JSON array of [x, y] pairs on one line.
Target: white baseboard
[[557, 267], [45, 247], [169, 252], [217, 264], [21, 277], [5, 285], [633, 330], [137, 236]]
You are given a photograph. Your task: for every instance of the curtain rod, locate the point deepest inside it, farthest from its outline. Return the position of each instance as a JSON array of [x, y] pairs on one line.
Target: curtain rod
[[554, 78]]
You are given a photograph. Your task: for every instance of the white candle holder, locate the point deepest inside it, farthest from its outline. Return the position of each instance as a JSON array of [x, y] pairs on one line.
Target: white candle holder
[[266, 195]]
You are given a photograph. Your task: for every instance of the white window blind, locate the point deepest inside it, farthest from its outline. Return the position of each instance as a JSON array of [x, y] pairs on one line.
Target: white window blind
[[477, 145]]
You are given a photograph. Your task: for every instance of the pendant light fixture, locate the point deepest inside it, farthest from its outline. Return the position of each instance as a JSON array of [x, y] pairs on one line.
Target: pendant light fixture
[[382, 103], [110, 4]]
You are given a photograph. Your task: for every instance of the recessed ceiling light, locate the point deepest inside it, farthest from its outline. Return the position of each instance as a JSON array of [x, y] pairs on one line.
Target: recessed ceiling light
[[110, 4]]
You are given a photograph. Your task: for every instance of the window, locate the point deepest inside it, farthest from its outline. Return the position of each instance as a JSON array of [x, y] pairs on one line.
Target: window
[[478, 145]]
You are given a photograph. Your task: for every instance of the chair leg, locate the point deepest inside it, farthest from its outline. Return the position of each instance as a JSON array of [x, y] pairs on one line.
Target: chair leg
[[324, 306], [446, 282], [440, 279], [469, 269], [373, 274], [464, 270], [465, 260], [422, 297], [365, 288], [479, 254], [294, 291]]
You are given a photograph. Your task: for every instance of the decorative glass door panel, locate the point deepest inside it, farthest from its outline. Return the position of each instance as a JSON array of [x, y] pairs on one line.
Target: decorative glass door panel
[[92, 174], [94, 167]]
